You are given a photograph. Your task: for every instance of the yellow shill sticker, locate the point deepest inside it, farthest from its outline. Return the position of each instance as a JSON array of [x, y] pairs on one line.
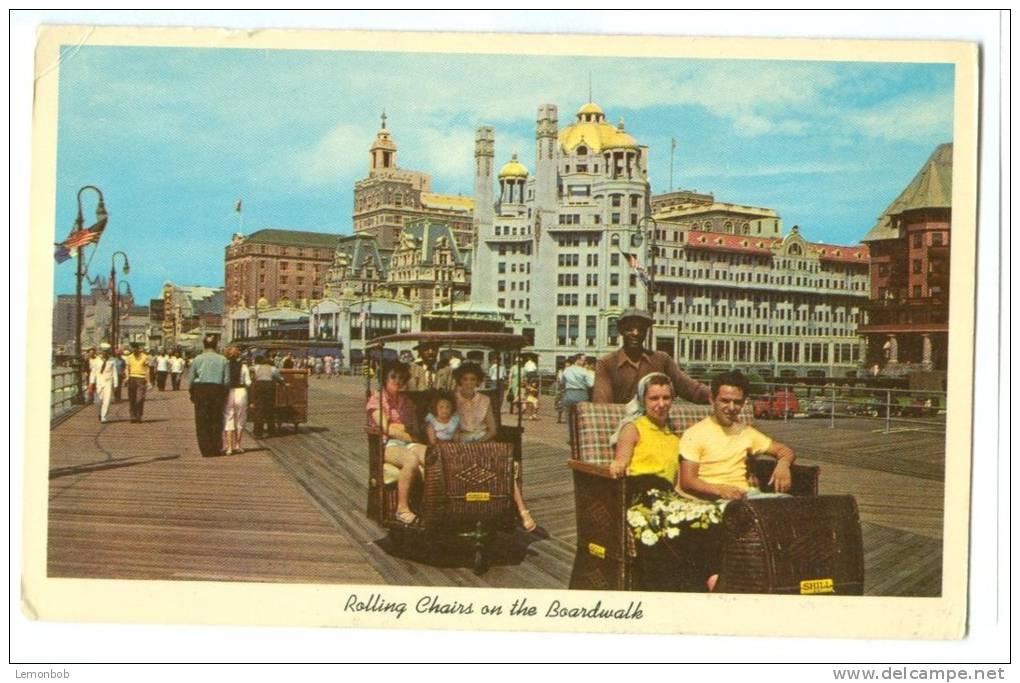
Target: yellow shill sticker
[[477, 496], [816, 586], [597, 550]]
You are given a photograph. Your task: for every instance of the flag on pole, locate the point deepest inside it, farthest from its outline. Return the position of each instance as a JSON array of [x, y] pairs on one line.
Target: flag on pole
[[80, 238], [237, 206], [632, 261], [62, 253]]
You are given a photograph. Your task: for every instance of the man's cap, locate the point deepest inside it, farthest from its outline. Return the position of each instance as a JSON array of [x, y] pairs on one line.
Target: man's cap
[[426, 345], [636, 313], [104, 347]]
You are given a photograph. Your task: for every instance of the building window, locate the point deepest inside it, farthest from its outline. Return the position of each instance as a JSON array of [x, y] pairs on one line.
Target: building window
[[916, 266], [502, 267], [614, 300], [917, 291], [615, 219], [283, 265], [614, 258], [918, 240], [936, 239]]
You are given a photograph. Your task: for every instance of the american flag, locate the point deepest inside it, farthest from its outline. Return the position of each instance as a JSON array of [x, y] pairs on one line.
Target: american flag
[[62, 253], [80, 238]]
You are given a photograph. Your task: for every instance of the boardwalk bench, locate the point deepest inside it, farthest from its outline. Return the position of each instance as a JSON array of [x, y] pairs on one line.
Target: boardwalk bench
[[768, 546]]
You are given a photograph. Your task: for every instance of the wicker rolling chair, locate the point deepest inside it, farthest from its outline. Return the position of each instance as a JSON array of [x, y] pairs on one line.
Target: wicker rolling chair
[[808, 543]]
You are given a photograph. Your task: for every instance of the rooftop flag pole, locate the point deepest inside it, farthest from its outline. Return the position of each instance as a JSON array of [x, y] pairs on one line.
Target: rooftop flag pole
[[672, 152]]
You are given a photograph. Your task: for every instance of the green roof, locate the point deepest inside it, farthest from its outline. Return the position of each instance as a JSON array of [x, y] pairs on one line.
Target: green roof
[[293, 238], [931, 188]]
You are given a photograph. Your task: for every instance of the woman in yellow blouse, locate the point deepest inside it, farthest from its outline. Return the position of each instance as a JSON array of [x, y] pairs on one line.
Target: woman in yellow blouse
[[648, 454], [646, 443]]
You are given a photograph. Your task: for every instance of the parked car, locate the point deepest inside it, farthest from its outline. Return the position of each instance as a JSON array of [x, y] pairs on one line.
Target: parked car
[[919, 407], [866, 409], [823, 407], [776, 405]]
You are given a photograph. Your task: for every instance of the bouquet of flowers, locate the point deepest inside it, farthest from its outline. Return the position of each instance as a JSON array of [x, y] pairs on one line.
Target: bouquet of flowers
[[664, 514]]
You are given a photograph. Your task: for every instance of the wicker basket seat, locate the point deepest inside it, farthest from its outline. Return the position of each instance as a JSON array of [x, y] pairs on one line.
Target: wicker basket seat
[[605, 554]]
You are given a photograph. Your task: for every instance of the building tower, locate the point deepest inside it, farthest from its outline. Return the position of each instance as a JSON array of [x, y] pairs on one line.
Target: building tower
[[483, 262], [383, 154], [512, 179], [544, 216]]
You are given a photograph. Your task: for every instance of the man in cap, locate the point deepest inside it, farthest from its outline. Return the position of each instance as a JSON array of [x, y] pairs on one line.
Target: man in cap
[[425, 374], [104, 379], [617, 374], [208, 378]]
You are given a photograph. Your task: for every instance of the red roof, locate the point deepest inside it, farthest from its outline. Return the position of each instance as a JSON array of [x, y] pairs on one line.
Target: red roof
[[747, 244]]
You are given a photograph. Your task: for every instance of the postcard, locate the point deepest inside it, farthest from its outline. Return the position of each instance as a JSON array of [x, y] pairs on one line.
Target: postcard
[[501, 332]]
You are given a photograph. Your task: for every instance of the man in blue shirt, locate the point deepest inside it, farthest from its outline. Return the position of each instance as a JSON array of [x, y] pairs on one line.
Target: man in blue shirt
[[208, 378], [576, 381]]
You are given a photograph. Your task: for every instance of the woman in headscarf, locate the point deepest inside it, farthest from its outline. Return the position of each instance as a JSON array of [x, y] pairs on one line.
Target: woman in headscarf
[[648, 453]]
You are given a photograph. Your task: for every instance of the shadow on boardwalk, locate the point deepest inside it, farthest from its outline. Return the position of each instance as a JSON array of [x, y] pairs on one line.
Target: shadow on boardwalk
[[137, 501]]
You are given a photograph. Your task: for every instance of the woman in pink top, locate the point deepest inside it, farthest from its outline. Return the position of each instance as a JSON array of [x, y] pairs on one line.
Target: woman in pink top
[[394, 414], [478, 423]]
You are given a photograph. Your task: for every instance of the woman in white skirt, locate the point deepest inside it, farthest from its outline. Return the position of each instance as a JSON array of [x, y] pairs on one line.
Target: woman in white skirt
[[235, 410]]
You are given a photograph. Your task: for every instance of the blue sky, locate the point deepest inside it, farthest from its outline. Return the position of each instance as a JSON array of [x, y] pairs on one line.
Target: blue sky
[[174, 136]]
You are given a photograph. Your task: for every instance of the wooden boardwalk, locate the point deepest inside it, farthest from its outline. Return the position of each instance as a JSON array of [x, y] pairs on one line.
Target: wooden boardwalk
[[137, 501]]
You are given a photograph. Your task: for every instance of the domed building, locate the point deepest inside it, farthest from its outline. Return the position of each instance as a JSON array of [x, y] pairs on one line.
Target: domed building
[[557, 232]]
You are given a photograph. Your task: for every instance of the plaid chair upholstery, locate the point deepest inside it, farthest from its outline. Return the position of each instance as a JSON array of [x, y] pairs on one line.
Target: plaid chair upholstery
[[594, 423]]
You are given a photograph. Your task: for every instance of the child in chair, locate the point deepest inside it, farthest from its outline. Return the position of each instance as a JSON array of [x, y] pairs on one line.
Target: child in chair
[[442, 422]]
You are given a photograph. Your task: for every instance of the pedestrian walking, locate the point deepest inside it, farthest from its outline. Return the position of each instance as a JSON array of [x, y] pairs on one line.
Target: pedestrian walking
[[235, 411], [327, 366], [104, 380], [265, 377], [176, 369], [91, 362], [118, 357], [162, 370], [151, 363], [207, 385], [576, 381], [136, 373]]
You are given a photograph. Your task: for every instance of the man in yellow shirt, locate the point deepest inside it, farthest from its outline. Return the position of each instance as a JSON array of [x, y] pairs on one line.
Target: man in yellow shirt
[[136, 371], [714, 451]]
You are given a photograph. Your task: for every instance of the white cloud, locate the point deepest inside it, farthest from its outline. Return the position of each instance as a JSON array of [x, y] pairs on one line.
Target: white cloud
[[909, 117]]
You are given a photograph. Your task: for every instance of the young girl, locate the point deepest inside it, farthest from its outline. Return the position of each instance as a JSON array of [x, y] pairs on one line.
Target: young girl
[[477, 423], [531, 399], [442, 422]]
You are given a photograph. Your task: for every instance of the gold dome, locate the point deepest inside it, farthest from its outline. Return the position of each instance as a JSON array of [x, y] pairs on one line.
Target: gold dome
[[513, 169], [597, 136], [590, 108]]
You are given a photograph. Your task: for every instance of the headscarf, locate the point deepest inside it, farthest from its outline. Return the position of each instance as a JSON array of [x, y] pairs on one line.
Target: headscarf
[[636, 407]]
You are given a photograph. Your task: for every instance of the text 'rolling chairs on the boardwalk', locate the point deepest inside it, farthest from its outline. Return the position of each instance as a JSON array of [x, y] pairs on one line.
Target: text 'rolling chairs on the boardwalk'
[[466, 489], [807, 544]]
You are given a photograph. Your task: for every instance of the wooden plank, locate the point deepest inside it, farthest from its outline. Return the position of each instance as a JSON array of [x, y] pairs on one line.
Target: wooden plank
[[138, 501]]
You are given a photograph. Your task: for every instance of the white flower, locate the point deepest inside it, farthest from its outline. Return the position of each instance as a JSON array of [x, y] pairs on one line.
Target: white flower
[[672, 532], [674, 518], [636, 519], [648, 537], [658, 506]]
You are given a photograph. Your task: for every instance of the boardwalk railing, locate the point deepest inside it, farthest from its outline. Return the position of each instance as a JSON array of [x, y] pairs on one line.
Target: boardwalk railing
[[65, 392], [897, 408]]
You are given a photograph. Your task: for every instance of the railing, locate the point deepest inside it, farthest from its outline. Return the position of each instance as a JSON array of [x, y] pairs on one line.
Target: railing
[[897, 409], [65, 393]]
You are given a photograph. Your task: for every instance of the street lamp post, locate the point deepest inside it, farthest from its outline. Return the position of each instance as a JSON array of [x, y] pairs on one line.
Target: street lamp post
[[120, 297], [101, 217], [114, 311], [653, 247]]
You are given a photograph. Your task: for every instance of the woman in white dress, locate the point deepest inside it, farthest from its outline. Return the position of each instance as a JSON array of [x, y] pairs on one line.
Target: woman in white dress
[[235, 410]]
